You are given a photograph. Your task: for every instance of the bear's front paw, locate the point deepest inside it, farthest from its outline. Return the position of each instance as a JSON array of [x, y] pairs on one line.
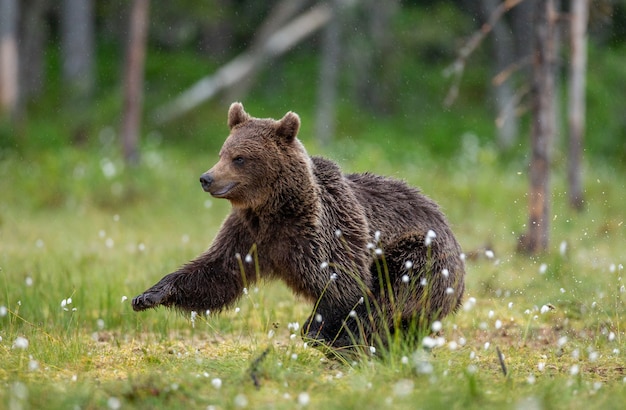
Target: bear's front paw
[[148, 300]]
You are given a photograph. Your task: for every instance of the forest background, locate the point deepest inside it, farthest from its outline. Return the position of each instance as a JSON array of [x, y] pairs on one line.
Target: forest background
[[99, 167]]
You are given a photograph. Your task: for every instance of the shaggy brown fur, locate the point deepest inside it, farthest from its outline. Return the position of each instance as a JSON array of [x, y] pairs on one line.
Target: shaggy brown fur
[[341, 241]]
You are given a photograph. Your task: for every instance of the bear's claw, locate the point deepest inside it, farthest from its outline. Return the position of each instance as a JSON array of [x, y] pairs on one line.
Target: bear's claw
[[147, 300]]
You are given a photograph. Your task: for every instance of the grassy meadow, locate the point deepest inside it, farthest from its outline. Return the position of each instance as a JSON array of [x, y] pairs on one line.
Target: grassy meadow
[[80, 235]]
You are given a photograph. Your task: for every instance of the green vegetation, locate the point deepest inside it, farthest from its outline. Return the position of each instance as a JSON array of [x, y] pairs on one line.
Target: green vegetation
[[84, 227], [81, 234]]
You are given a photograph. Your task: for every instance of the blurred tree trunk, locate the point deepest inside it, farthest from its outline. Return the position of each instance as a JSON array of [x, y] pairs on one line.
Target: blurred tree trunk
[[543, 127], [9, 59], [370, 49], [576, 109], [77, 46], [522, 23], [504, 95], [33, 34], [329, 73], [77, 49], [133, 80]]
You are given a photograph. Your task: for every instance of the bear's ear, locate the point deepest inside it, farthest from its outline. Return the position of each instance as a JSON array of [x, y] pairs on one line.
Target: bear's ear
[[288, 126], [236, 115]]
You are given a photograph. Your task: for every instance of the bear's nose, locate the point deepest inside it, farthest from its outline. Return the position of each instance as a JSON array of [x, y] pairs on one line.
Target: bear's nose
[[206, 180]]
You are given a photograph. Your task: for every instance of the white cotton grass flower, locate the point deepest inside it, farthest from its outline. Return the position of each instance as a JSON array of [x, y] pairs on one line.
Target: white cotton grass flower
[[318, 318], [403, 387], [469, 304], [352, 314], [430, 235], [338, 233], [408, 264], [248, 258], [192, 318], [114, 403], [498, 324], [216, 382], [574, 370], [241, 400], [124, 299], [563, 248], [378, 251], [28, 281], [405, 278], [33, 365], [377, 236], [436, 326], [424, 367], [20, 343], [108, 168], [65, 304], [489, 254], [445, 272], [432, 342], [543, 268], [293, 327], [562, 341], [3, 311], [304, 399], [334, 276], [449, 291], [546, 308], [323, 265], [372, 350]]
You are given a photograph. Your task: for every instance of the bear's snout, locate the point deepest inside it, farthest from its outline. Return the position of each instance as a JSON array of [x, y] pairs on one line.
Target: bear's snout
[[206, 180]]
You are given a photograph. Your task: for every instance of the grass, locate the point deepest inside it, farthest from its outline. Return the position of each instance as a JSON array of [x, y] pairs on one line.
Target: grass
[[77, 224]]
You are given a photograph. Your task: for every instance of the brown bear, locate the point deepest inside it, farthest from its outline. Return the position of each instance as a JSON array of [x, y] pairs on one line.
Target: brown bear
[[372, 254]]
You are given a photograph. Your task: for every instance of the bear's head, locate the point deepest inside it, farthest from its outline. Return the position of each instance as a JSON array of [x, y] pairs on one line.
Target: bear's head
[[256, 158]]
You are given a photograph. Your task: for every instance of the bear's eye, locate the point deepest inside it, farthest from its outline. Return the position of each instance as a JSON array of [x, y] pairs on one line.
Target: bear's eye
[[238, 160]]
